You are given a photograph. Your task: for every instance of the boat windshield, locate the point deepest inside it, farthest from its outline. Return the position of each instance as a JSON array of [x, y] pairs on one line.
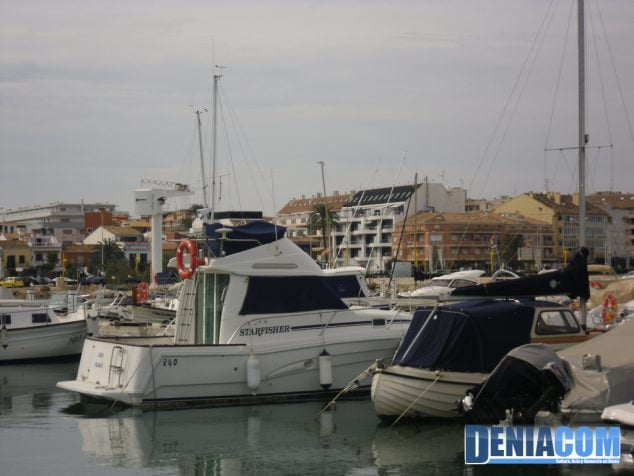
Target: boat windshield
[[440, 282]]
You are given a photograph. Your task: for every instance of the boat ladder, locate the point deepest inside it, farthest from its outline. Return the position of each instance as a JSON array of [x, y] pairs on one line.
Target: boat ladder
[[185, 313]]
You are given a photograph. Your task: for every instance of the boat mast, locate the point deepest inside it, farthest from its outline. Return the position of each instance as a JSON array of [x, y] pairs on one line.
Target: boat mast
[[214, 142], [583, 138], [202, 162]]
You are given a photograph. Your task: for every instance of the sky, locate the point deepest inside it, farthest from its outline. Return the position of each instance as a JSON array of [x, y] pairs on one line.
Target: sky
[[97, 95]]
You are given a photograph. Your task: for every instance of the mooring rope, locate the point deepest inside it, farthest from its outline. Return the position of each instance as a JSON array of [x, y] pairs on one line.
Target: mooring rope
[[353, 384], [438, 375]]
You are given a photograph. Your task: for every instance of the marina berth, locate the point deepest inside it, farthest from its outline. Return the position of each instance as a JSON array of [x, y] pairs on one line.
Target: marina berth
[[257, 325]]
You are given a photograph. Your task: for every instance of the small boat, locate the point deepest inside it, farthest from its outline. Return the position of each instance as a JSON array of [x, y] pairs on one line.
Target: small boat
[[452, 348], [257, 325], [30, 331], [444, 285]]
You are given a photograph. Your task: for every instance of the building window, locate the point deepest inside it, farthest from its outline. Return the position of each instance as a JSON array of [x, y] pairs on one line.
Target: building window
[[38, 256], [5, 319], [67, 232], [21, 259]]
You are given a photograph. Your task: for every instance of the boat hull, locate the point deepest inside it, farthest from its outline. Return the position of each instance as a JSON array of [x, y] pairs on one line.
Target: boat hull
[[148, 372], [46, 341], [420, 393]]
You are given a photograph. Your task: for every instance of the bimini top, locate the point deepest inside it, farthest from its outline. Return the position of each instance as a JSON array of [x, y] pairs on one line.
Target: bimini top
[[242, 237], [471, 336]]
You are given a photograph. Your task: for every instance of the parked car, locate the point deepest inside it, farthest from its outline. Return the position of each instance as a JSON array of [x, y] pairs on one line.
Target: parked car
[[29, 280], [166, 277], [12, 282], [44, 280], [132, 280]]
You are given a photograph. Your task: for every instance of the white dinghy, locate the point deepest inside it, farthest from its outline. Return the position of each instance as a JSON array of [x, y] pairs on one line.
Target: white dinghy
[[257, 325]]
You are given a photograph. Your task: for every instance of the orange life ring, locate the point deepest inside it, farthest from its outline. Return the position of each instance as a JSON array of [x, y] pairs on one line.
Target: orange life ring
[[597, 285], [610, 308], [142, 293], [192, 249]]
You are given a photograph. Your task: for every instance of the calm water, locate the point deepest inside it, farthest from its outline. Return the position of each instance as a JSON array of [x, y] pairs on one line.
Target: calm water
[[47, 431]]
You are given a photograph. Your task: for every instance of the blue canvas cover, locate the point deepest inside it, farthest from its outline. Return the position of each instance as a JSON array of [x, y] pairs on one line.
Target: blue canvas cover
[[472, 336], [242, 237]]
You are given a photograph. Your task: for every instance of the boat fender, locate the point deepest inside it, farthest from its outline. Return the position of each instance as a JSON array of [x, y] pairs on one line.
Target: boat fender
[[192, 249], [253, 373], [610, 308], [325, 370], [4, 336]]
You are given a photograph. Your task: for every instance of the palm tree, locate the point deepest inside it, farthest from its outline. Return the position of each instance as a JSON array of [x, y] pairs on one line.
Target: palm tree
[[323, 219], [111, 252]]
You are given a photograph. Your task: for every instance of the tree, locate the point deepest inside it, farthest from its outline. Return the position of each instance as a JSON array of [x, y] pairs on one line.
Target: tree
[[323, 219], [111, 253], [508, 247]]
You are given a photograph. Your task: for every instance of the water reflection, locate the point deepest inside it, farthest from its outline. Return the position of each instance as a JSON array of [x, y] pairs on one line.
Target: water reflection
[[30, 386], [268, 439], [285, 438]]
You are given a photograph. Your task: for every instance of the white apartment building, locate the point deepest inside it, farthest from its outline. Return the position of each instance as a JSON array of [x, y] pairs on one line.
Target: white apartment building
[[366, 222]]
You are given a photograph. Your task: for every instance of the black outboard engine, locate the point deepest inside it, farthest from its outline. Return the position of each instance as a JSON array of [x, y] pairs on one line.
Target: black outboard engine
[[528, 379]]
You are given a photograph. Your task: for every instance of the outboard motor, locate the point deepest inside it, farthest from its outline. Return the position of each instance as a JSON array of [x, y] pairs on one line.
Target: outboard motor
[[528, 379]]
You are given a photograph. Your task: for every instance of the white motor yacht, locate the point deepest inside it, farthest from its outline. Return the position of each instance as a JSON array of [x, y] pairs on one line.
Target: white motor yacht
[[257, 325], [443, 285]]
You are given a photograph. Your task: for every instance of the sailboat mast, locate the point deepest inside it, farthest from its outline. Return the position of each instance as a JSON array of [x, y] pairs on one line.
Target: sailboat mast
[[583, 138], [202, 162], [214, 143]]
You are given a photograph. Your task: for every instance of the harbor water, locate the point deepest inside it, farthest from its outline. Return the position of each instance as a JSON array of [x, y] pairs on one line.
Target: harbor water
[[47, 431]]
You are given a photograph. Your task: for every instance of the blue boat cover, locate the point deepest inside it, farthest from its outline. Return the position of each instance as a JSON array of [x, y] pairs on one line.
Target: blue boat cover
[[471, 336], [242, 237]]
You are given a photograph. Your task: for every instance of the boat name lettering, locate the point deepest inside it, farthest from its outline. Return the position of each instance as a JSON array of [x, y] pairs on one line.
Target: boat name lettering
[[260, 331], [99, 365]]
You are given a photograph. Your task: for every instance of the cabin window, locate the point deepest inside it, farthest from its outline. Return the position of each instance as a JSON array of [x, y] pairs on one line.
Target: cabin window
[[212, 290], [556, 322], [5, 319], [40, 318], [273, 295]]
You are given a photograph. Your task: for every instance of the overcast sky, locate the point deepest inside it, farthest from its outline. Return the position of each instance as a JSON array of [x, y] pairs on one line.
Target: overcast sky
[[95, 95]]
